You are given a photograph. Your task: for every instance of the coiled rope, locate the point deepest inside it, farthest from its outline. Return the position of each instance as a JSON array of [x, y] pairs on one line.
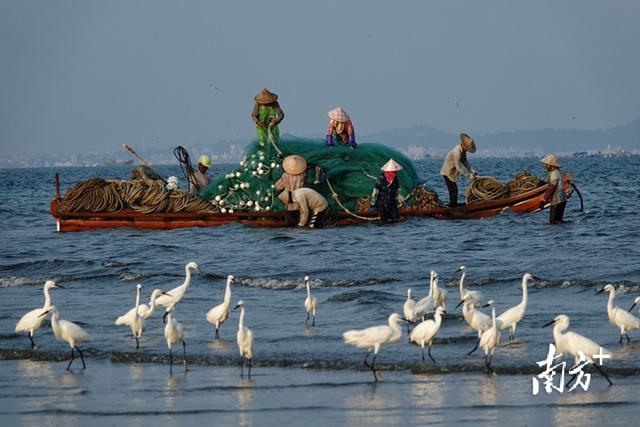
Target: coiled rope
[[488, 188], [143, 196]]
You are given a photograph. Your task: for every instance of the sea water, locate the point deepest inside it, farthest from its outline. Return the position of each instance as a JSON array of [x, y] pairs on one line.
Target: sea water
[[359, 275]]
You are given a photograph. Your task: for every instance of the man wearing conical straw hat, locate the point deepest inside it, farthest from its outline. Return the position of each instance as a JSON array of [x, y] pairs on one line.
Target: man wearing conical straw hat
[[456, 164], [267, 114], [555, 194], [385, 193], [340, 124], [293, 178]]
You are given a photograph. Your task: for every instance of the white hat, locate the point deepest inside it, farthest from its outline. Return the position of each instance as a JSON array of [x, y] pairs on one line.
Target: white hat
[[551, 159], [391, 166], [339, 115]]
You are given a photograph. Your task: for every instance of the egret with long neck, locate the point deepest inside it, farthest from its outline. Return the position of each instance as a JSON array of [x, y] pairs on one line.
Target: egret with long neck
[[68, 332], [490, 338], [618, 317], [511, 317], [475, 297], [310, 303], [218, 314], [33, 320], [173, 297], [244, 339]]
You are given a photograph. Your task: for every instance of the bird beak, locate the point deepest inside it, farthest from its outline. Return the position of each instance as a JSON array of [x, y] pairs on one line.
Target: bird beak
[[460, 303], [45, 313], [403, 319], [166, 293], [486, 305], [634, 304], [458, 270], [200, 271], [164, 317], [536, 278], [549, 323], [237, 306], [60, 286], [600, 291]]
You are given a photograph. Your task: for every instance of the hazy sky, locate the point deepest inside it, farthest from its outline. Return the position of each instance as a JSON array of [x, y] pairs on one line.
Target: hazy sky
[[91, 75]]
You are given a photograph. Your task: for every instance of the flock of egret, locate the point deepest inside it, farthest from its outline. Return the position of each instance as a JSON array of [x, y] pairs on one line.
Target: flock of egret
[[372, 339]]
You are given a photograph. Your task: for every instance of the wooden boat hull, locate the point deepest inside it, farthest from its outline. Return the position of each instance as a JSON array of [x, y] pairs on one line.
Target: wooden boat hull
[[84, 221]]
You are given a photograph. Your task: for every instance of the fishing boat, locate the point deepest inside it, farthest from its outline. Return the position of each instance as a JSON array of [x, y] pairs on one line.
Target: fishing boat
[[527, 202]]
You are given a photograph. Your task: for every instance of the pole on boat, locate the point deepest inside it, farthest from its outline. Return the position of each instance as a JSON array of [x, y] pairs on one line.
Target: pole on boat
[[57, 185], [132, 151]]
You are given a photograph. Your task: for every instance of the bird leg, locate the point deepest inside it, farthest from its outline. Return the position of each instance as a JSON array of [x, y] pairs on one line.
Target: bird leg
[[604, 374], [33, 344], [364, 362], [70, 361], [373, 367], [627, 335], [621, 336], [434, 360], [250, 363], [307, 319], [170, 361], [137, 342], [184, 355], [241, 366], [81, 358], [314, 321], [217, 334], [423, 353], [474, 348], [571, 380]]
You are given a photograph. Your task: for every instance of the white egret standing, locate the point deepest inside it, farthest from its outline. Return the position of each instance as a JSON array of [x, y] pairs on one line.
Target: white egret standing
[[144, 310], [476, 297], [576, 344], [408, 309], [490, 338], [33, 320], [218, 314], [426, 331], [170, 298], [374, 337], [173, 334], [511, 317], [439, 295], [619, 317], [476, 319], [427, 304], [244, 339], [310, 303], [68, 332]]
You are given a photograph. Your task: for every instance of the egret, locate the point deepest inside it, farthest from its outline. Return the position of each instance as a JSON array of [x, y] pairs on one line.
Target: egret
[[68, 332], [33, 320], [619, 317], [576, 345], [426, 331], [427, 304], [310, 303], [490, 338], [476, 319], [636, 302], [173, 334], [144, 310], [170, 298], [374, 337], [511, 317], [408, 309], [245, 340], [476, 297], [439, 294], [218, 314]]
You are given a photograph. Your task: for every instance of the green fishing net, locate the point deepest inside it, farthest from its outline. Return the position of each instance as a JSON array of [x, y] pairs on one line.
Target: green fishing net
[[351, 174]]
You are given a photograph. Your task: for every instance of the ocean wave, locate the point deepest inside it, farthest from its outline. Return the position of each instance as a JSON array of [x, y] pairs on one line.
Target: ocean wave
[[279, 283], [48, 264], [14, 281]]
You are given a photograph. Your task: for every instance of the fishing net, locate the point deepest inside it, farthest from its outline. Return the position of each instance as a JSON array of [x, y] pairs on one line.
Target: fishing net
[[345, 176]]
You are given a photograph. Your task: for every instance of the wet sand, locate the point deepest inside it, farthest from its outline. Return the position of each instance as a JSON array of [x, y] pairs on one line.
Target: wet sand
[[107, 393]]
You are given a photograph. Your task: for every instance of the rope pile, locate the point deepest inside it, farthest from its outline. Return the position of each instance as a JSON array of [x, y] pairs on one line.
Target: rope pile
[[143, 196], [488, 188]]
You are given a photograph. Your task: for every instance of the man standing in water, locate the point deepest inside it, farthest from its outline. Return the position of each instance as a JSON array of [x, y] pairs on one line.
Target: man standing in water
[[555, 194], [453, 164], [267, 114]]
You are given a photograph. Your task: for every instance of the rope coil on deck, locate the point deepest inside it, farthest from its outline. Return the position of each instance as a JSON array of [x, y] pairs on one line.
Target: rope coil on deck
[[488, 188], [142, 195]]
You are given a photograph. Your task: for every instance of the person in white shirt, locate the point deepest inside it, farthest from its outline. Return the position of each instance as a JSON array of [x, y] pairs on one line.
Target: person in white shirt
[[456, 164]]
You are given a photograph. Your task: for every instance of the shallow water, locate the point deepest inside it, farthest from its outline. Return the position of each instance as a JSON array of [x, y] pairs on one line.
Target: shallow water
[[359, 275]]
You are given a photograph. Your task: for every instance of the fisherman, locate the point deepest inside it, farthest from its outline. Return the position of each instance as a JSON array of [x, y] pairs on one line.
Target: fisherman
[[267, 114], [555, 194], [453, 164], [340, 124], [385, 192], [293, 178], [309, 199], [199, 178]]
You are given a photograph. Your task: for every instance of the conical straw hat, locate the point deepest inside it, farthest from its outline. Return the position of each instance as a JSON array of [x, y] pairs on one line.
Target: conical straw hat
[[266, 97], [339, 115], [294, 164], [468, 143], [551, 159], [391, 166]]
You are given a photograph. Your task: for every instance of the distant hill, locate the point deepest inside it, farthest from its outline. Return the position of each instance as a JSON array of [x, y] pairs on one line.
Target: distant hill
[[432, 140]]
